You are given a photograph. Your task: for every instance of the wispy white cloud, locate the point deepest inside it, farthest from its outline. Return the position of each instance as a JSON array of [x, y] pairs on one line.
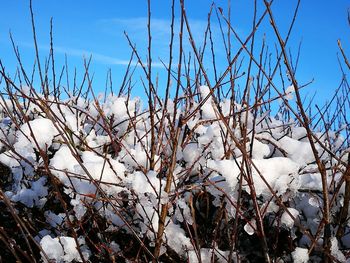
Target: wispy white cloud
[[136, 28], [97, 57], [101, 58]]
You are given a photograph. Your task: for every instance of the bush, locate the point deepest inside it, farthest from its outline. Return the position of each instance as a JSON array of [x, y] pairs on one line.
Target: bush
[[213, 174]]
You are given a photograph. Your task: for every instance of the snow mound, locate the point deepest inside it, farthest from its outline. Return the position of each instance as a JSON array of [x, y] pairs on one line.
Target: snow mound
[[300, 255], [63, 249], [110, 175]]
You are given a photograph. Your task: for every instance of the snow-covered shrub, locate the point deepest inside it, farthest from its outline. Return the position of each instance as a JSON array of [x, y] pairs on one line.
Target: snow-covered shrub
[[208, 175]]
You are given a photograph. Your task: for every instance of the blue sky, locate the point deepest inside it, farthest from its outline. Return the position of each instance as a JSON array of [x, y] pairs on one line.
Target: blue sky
[[96, 27]]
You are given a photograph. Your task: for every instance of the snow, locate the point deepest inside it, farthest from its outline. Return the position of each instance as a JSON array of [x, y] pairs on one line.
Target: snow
[[63, 165], [52, 248], [116, 107], [26, 196], [115, 247], [228, 169], [183, 212], [300, 255], [100, 169], [282, 177], [191, 153], [207, 255], [335, 250], [148, 217], [142, 183], [177, 239], [135, 157], [54, 219], [37, 133], [286, 218], [250, 227], [63, 249], [313, 201], [208, 109], [299, 152], [32, 196], [281, 161], [260, 150], [78, 208], [60, 166], [289, 92]]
